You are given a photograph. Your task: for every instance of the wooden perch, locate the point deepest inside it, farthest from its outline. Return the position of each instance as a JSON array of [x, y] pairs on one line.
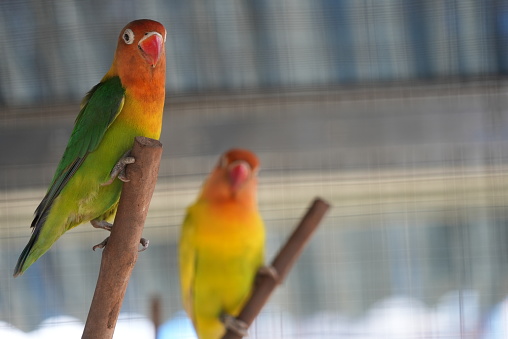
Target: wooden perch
[[121, 252], [265, 284], [156, 313]]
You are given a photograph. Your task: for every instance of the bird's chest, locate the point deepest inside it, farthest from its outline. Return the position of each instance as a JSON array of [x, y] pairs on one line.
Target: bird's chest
[[143, 115], [229, 236]]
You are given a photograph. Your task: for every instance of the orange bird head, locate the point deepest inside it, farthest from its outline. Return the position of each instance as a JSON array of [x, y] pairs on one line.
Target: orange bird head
[[234, 178], [140, 55]]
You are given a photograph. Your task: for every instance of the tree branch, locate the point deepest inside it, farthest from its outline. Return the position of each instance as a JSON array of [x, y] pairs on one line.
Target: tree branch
[[121, 252], [265, 284]]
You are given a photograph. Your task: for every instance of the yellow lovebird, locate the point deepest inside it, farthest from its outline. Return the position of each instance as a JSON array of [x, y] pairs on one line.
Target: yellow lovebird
[[222, 246]]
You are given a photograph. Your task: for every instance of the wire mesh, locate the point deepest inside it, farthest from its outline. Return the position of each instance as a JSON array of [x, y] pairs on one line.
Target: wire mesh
[[393, 111]]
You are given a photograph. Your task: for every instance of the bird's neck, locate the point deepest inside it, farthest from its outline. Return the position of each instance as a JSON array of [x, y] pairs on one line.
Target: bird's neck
[[141, 81], [144, 100], [240, 200]]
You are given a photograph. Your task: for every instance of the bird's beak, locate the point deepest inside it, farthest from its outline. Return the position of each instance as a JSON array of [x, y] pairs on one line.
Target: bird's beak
[[152, 47], [238, 172]]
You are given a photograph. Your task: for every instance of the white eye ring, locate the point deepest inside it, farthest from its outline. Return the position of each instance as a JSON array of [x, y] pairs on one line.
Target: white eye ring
[[128, 36]]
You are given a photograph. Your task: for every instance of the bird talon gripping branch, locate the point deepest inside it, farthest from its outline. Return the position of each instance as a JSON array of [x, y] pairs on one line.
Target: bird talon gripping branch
[[101, 245], [269, 271], [118, 170], [102, 224], [236, 325], [144, 244]]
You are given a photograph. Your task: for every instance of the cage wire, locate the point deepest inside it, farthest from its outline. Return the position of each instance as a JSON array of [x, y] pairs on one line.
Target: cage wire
[[393, 111]]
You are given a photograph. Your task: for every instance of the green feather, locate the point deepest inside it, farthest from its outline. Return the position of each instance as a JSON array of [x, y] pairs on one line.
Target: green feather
[[100, 108]]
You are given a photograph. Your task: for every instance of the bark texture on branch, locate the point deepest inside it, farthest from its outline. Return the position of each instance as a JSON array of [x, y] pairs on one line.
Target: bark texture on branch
[[121, 252], [285, 259]]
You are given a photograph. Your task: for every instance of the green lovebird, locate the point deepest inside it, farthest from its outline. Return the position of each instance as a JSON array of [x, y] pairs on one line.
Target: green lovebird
[[128, 102]]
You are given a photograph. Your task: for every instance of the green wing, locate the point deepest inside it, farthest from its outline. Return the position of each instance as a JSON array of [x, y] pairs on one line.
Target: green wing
[[99, 109]]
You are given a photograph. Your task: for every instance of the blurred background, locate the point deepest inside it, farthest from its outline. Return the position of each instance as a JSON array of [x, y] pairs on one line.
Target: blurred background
[[394, 111]]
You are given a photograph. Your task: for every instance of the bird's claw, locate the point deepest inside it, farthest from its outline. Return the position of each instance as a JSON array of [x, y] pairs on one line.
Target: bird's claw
[[102, 224], [236, 325], [144, 244], [118, 170], [101, 245], [107, 226], [269, 271]]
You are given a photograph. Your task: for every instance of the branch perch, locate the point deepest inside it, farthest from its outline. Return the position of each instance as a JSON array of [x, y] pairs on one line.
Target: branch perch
[[121, 252], [283, 262]]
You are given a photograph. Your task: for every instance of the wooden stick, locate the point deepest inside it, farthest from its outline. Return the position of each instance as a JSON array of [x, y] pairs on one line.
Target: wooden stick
[[265, 284], [156, 313], [121, 252]]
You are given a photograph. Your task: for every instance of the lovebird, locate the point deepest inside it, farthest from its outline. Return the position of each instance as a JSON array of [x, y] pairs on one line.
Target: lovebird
[[221, 246], [127, 102]]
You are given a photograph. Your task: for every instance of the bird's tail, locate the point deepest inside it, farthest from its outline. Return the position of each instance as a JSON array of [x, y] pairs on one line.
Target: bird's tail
[[27, 258], [37, 245]]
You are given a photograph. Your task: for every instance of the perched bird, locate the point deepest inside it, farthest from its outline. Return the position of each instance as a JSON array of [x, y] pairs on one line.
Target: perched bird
[[222, 246], [126, 103]]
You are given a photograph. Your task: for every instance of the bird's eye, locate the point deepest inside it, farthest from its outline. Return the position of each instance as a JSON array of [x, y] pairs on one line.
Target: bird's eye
[[128, 36]]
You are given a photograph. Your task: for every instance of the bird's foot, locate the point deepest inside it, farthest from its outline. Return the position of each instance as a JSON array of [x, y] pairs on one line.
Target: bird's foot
[[118, 170], [101, 245], [102, 224], [144, 244], [236, 325], [268, 271]]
